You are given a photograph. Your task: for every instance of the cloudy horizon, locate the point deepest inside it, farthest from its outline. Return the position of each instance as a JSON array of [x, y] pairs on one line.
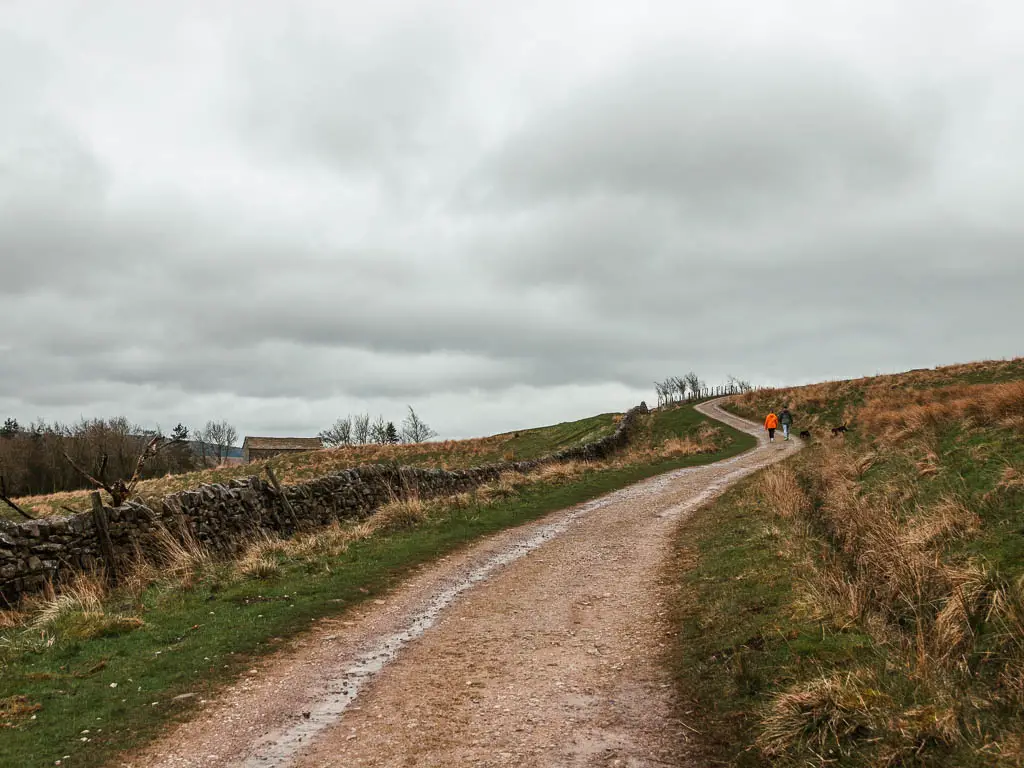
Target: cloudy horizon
[[503, 214]]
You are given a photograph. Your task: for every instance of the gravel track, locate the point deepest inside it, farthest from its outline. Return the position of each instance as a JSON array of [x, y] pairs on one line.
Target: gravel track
[[539, 646]]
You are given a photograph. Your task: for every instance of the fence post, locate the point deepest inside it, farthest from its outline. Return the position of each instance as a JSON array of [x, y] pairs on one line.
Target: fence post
[[99, 519], [284, 499]]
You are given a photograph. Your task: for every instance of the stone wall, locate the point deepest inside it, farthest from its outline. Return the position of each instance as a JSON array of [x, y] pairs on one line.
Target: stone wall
[[224, 517]]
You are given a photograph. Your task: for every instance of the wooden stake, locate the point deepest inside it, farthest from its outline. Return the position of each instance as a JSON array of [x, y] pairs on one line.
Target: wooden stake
[[284, 499], [99, 518]]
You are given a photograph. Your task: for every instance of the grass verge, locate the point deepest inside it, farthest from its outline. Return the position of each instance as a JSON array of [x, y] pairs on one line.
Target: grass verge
[[863, 603], [101, 675], [739, 632]]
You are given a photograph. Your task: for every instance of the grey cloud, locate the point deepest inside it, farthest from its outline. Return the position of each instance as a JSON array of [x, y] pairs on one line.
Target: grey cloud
[[354, 104], [352, 213], [717, 134]]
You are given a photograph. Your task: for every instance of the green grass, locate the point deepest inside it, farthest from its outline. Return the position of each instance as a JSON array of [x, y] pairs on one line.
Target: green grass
[[674, 421], [195, 640], [534, 443]]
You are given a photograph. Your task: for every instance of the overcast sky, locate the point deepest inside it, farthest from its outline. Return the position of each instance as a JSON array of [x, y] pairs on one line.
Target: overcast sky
[[503, 213]]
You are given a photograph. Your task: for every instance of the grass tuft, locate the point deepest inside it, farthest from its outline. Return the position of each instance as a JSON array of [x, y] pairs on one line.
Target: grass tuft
[[83, 595], [400, 514], [828, 716]]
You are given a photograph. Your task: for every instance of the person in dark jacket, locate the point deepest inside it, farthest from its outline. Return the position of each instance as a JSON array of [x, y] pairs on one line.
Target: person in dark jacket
[[785, 421]]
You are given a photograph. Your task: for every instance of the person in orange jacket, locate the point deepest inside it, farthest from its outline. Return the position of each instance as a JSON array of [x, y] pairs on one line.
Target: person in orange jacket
[[771, 423]]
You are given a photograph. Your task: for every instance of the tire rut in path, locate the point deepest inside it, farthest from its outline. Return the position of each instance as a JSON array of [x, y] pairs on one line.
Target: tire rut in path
[[540, 646]]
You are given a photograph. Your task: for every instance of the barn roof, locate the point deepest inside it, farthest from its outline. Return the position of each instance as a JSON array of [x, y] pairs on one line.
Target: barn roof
[[283, 443]]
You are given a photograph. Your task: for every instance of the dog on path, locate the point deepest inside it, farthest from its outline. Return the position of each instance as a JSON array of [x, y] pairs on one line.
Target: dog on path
[[838, 430], [806, 434]]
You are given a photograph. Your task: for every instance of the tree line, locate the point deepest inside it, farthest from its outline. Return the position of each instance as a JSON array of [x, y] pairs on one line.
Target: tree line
[[113, 454], [52, 457], [359, 429], [675, 389]]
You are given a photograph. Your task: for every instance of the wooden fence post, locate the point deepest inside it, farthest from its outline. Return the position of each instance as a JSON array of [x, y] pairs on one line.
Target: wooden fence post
[[99, 519], [284, 499]]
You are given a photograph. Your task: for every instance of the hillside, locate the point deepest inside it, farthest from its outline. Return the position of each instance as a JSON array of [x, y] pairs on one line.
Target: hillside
[[828, 404], [863, 604], [296, 467]]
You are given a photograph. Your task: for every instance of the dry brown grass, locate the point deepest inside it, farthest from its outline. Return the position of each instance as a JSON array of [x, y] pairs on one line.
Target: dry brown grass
[[909, 402], [182, 559], [259, 568], [880, 551], [259, 560], [949, 519], [82, 594], [400, 514], [881, 568], [800, 400], [559, 472], [332, 541], [504, 487], [10, 619], [829, 713], [78, 603], [77, 611], [886, 570], [781, 490], [840, 714], [896, 414], [970, 595]]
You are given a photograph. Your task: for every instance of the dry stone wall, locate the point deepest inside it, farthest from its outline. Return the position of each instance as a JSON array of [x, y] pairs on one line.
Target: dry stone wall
[[224, 517]]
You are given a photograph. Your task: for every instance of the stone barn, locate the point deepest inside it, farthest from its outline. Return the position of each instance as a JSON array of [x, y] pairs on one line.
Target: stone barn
[[257, 448]]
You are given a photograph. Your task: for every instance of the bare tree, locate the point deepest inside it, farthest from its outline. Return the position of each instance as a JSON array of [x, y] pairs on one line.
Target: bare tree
[[659, 387], [120, 490], [694, 384], [678, 388], [339, 433], [221, 436], [379, 431], [739, 385], [414, 429], [361, 428]]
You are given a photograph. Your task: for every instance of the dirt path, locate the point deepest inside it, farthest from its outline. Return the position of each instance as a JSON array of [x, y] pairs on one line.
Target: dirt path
[[537, 647]]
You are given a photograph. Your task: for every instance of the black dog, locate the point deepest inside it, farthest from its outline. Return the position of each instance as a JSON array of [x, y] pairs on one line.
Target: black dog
[[806, 433], [837, 430]]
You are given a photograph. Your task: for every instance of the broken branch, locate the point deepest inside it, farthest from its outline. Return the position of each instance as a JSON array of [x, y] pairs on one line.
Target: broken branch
[[7, 500]]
